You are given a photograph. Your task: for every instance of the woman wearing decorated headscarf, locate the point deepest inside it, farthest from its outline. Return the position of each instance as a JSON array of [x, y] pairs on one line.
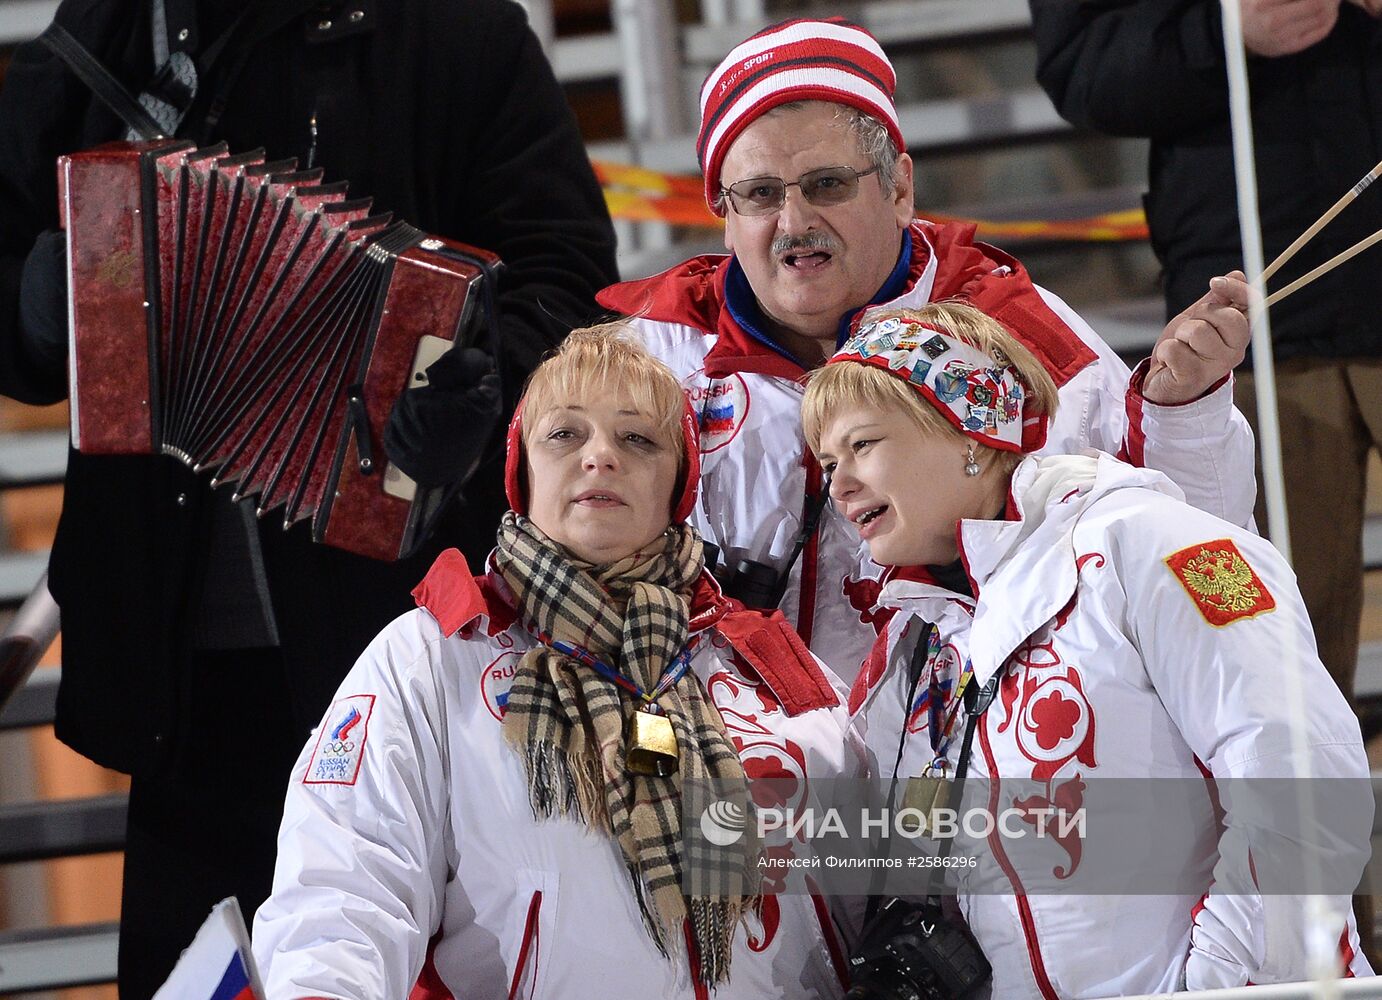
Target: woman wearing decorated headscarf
[[493, 805], [1097, 699]]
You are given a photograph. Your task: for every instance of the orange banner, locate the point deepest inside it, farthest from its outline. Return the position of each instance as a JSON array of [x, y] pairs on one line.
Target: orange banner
[[642, 195]]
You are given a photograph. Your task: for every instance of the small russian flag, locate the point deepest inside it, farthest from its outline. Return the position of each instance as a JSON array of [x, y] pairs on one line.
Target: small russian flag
[[235, 984], [718, 419], [218, 964]]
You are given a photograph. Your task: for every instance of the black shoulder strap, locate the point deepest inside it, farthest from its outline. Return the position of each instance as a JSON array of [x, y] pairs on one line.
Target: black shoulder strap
[[976, 703], [810, 521], [102, 83]]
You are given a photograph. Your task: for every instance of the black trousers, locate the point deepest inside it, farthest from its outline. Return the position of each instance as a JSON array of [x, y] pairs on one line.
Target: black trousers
[[204, 826]]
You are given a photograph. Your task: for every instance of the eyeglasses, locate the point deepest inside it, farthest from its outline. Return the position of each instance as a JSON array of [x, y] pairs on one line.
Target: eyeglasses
[[823, 187]]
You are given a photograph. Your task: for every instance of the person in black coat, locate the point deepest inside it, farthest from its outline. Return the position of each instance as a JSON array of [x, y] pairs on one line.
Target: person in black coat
[[199, 648], [1156, 68]]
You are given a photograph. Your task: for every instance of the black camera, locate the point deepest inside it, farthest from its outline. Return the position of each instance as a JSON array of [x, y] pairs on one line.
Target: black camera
[[754, 584], [912, 951]]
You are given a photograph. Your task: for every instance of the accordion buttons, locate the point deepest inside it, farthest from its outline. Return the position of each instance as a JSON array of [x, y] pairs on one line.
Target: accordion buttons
[[323, 25], [356, 16]]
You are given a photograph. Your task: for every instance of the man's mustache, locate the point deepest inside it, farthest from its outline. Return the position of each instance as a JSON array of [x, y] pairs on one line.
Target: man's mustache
[[811, 242]]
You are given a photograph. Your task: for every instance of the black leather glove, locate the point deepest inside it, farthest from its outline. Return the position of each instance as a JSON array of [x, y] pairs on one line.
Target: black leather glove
[[43, 302], [438, 433]]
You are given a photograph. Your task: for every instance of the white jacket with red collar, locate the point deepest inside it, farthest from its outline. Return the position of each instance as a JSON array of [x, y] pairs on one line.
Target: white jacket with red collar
[[409, 848], [757, 473], [1121, 657]]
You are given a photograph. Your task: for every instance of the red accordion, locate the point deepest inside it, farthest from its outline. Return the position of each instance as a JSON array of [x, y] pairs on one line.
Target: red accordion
[[246, 318]]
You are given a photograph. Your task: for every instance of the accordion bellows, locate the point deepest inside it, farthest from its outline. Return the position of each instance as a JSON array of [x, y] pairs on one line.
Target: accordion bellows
[[250, 320]]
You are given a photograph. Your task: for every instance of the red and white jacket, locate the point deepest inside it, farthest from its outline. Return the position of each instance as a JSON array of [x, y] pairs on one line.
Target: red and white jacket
[[757, 473], [409, 852], [1128, 672]]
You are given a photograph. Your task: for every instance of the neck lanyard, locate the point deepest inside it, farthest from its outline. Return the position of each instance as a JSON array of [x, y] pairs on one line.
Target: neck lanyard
[[940, 724], [674, 671], [978, 704]]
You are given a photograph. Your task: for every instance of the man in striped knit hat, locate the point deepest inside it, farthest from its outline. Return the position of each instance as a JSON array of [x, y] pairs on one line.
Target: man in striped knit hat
[[804, 158]]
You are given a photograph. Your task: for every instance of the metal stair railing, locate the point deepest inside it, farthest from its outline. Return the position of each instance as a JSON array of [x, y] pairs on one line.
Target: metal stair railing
[[27, 458], [27, 637], [893, 22], [39, 831], [936, 126], [32, 458], [57, 958], [53, 957], [33, 703]]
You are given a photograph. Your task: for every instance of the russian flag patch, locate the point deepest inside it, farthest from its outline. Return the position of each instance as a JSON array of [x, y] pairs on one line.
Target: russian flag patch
[[341, 742]]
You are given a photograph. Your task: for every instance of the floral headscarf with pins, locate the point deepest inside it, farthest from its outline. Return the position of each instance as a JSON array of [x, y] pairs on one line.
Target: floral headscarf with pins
[[980, 395]]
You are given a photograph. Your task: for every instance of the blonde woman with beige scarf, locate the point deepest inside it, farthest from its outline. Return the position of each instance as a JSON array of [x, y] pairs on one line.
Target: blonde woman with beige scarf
[[493, 806]]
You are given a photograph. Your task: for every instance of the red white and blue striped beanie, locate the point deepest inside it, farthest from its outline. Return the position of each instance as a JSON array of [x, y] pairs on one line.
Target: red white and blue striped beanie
[[801, 60]]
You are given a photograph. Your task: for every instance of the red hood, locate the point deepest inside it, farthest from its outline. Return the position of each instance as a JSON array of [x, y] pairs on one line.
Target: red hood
[[965, 271], [456, 599], [693, 293]]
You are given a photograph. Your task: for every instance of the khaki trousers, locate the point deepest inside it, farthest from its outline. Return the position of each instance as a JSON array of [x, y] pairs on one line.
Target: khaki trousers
[[1331, 417]]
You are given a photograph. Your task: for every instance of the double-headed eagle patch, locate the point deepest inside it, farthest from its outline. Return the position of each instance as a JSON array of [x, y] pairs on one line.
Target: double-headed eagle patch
[[1220, 582]]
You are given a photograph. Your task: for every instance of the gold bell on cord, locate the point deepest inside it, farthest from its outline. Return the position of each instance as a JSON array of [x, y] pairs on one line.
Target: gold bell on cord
[[651, 745], [925, 796]]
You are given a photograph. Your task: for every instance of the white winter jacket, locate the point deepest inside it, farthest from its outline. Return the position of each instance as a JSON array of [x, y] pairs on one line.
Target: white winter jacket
[[409, 848], [1136, 637], [756, 471]]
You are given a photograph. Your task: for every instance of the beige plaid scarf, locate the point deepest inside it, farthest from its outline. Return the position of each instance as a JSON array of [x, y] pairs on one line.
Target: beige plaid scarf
[[568, 721]]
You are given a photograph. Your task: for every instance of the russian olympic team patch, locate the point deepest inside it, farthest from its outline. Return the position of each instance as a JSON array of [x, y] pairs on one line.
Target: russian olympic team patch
[[341, 742], [720, 405], [1220, 582]]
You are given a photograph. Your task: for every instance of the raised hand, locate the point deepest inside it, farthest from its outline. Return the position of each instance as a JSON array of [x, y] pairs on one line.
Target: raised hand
[[1201, 345]]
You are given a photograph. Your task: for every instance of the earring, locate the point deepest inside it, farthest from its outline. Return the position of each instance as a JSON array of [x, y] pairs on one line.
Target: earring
[[971, 466]]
